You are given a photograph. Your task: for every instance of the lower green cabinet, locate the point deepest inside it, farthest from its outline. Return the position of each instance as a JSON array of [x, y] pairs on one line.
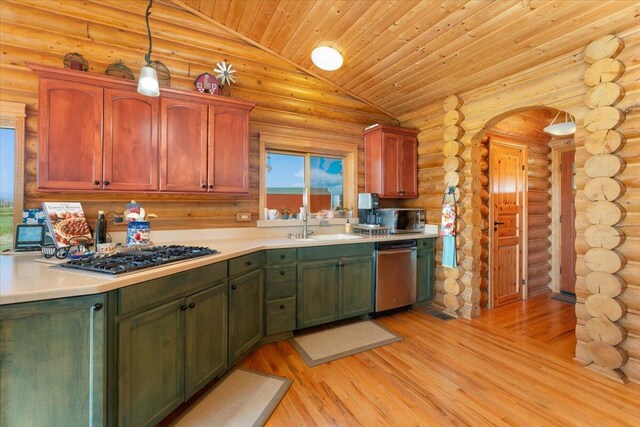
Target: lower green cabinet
[[317, 292], [167, 353], [206, 337], [334, 289], [246, 313], [52, 362], [426, 270], [356, 286], [151, 364]]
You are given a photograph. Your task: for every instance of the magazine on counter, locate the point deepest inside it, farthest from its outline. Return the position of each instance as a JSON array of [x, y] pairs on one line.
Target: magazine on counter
[[66, 222]]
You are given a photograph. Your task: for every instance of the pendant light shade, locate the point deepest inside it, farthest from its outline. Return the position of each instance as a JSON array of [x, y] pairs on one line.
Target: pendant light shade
[[566, 128], [148, 82], [326, 58]]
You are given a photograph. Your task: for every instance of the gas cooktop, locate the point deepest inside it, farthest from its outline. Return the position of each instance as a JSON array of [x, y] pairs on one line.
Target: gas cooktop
[[126, 262]]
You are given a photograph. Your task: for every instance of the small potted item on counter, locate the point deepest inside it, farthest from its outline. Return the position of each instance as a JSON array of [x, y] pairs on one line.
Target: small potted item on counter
[[285, 213], [139, 228]]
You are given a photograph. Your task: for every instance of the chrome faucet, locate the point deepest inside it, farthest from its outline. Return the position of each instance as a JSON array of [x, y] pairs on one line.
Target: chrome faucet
[[305, 218]]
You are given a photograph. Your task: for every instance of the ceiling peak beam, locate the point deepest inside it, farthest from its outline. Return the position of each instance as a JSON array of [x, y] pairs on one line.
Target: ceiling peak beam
[[212, 21]]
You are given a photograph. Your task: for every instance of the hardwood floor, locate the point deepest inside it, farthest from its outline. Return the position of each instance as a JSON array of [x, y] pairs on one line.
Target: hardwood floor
[[509, 367]]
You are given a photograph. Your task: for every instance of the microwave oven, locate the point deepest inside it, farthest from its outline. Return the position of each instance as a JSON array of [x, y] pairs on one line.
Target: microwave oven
[[401, 220]]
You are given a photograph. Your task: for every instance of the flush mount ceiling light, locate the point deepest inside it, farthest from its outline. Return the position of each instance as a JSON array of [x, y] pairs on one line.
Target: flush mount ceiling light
[[148, 82], [568, 127], [326, 58]]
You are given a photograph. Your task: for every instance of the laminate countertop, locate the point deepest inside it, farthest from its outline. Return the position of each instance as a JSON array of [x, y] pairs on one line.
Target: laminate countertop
[[23, 279]]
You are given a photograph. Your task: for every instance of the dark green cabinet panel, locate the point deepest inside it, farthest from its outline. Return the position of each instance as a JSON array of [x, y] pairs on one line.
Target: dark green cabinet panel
[[356, 286], [206, 337], [280, 256], [281, 315], [426, 270], [281, 281], [246, 313], [317, 292], [52, 363], [245, 263], [151, 364]]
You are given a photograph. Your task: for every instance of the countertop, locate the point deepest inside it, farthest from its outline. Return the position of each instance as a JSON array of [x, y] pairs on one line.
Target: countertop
[[22, 279]]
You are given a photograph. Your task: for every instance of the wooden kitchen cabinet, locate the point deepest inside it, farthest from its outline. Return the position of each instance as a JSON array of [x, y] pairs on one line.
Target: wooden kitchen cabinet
[[281, 291], [69, 135], [246, 312], [183, 145], [53, 362], [130, 141], [228, 150], [426, 257], [334, 283], [183, 319], [391, 161]]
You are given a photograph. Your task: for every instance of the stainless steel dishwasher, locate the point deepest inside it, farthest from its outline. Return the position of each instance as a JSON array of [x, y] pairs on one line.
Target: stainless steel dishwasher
[[395, 274]]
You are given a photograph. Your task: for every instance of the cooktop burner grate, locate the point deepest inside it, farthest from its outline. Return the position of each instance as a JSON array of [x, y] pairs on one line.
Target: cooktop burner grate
[[126, 262]]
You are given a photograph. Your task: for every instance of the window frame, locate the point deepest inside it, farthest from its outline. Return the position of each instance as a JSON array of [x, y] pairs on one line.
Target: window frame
[[13, 116], [309, 146]]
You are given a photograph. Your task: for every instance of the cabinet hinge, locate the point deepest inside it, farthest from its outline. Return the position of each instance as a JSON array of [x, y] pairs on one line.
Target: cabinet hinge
[[560, 218], [560, 269]]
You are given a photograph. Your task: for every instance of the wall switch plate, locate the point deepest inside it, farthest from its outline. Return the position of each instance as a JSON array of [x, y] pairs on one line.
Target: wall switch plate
[[243, 216]]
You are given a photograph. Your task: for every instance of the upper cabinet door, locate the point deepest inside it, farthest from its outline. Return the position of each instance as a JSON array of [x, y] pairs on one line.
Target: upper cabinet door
[[391, 167], [130, 141], [228, 150], [70, 136], [408, 176], [183, 145]]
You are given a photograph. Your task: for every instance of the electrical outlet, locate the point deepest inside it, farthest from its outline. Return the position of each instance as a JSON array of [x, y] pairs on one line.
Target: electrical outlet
[[243, 216]]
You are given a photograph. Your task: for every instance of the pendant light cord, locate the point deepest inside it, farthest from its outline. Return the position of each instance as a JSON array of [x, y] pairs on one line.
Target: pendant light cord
[[147, 57]]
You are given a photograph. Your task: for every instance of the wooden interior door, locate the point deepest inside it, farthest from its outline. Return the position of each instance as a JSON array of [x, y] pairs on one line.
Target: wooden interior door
[[507, 196], [567, 223]]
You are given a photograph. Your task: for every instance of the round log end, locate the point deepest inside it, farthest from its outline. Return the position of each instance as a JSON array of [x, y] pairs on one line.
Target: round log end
[[605, 47], [603, 94], [607, 284], [604, 70], [603, 188], [607, 355], [453, 117], [604, 330], [603, 165], [607, 260], [603, 212], [603, 118], [604, 141], [603, 236], [605, 307], [452, 102]]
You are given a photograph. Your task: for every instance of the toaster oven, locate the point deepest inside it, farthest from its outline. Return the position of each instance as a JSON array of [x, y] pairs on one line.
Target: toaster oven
[[402, 220]]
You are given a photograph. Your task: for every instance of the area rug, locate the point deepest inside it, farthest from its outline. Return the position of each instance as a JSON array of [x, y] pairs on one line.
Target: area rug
[[564, 297], [243, 398], [439, 314], [335, 343]]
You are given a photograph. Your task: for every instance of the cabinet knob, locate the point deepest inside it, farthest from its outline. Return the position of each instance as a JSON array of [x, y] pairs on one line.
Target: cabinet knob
[[97, 307], [183, 307], [342, 264], [106, 182], [192, 305], [234, 287], [96, 182], [281, 306], [211, 186], [282, 272], [282, 256], [204, 185], [249, 263]]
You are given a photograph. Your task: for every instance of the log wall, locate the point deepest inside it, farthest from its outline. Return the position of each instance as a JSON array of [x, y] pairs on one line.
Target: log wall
[[558, 84], [288, 101]]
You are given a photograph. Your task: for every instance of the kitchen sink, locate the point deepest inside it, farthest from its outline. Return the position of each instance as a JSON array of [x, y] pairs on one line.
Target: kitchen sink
[[325, 237]]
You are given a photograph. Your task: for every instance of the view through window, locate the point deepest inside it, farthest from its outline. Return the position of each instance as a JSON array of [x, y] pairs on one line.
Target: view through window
[[7, 173], [288, 174]]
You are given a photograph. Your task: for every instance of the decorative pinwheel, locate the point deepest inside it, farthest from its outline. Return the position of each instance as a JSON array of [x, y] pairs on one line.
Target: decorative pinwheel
[[225, 73]]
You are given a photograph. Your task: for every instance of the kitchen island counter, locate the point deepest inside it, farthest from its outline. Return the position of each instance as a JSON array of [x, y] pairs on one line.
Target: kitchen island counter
[[23, 279]]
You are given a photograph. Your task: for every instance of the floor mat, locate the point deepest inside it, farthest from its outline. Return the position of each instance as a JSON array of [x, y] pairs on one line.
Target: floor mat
[[564, 297], [242, 398], [335, 343], [439, 314]]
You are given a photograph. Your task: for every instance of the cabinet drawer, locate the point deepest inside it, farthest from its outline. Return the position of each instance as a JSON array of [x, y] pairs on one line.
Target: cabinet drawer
[[245, 263], [337, 251], [426, 244], [281, 256], [281, 281], [281, 315], [170, 287]]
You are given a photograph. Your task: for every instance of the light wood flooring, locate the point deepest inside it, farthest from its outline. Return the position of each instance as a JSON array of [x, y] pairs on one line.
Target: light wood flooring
[[512, 366]]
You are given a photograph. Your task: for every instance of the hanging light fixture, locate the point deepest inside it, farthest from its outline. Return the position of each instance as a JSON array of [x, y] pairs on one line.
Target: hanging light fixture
[[148, 82], [568, 127], [326, 58]]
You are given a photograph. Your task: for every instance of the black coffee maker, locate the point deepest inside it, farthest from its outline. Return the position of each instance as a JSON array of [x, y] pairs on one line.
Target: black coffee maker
[[368, 204]]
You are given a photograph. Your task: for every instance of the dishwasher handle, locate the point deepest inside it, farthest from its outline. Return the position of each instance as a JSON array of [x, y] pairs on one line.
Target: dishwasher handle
[[395, 251], [404, 244]]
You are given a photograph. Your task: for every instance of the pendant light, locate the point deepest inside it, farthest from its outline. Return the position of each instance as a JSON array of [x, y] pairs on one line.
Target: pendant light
[[568, 127], [148, 82]]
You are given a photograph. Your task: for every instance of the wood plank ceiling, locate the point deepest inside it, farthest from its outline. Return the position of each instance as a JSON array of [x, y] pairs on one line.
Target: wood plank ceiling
[[402, 55]]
